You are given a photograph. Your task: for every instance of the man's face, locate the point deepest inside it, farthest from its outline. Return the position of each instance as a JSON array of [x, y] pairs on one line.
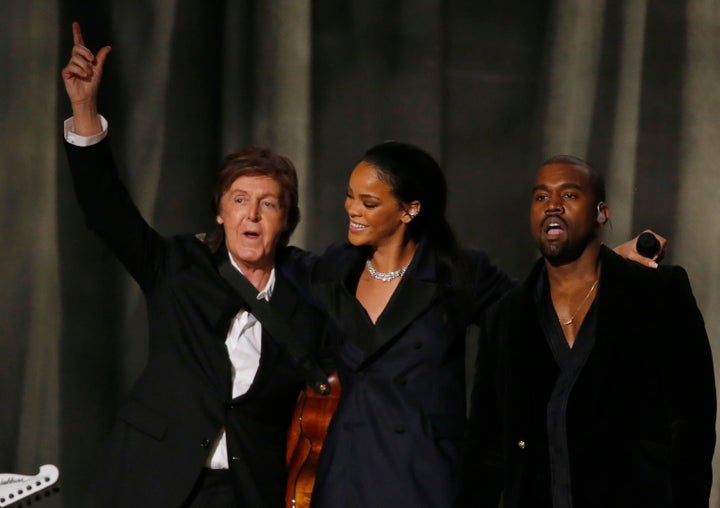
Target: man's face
[[563, 212], [253, 218]]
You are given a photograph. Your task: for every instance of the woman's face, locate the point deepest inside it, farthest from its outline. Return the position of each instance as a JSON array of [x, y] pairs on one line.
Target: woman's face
[[376, 216], [252, 215]]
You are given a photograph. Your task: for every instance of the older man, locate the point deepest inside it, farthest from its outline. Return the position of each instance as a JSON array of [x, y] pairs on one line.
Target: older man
[[205, 424]]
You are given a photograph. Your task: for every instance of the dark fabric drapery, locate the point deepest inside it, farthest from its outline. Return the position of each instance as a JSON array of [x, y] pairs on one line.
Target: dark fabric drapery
[[490, 88]]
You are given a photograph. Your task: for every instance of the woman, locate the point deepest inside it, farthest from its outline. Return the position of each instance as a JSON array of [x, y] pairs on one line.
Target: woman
[[205, 423], [403, 293]]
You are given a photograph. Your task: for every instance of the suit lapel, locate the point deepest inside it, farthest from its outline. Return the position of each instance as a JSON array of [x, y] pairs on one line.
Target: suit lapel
[[535, 359], [528, 370], [285, 300], [219, 368]]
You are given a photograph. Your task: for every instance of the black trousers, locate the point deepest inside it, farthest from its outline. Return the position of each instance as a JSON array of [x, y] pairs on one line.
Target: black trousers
[[212, 490]]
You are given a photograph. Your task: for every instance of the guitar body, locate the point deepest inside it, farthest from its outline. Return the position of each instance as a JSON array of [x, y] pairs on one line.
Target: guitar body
[[15, 487], [305, 440]]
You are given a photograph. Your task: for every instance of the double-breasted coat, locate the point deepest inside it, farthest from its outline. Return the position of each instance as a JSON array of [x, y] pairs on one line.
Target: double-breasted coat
[[395, 437]]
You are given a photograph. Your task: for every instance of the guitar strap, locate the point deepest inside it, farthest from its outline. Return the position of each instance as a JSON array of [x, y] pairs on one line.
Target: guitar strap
[[277, 325]]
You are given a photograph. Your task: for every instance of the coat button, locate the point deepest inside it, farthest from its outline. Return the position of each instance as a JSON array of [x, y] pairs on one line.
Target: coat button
[[235, 458], [401, 380], [521, 444], [418, 345], [399, 429], [205, 443]]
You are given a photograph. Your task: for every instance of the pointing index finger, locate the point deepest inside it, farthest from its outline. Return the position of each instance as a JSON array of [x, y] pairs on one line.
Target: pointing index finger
[[77, 34]]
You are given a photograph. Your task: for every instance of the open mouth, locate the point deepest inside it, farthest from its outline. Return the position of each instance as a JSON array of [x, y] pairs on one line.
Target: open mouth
[[553, 228], [357, 227]]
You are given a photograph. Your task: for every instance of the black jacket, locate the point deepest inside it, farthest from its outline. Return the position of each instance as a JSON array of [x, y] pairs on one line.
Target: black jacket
[[182, 398], [641, 414]]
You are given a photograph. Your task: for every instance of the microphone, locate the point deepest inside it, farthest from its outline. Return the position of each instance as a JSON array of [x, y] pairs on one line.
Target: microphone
[[647, 245]]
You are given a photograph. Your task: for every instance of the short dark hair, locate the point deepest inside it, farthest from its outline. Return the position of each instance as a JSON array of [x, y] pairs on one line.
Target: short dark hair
[[597, 181], [255, 160]]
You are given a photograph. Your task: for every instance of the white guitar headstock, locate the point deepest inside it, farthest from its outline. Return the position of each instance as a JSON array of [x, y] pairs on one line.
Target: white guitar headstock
[[14, 487]]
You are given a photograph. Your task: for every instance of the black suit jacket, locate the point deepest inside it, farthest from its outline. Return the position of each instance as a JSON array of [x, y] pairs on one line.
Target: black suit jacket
[[641, 415], [182, 399]]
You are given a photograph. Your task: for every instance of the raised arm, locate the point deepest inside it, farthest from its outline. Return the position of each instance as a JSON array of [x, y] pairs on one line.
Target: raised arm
[[108, 207], [82, 76]]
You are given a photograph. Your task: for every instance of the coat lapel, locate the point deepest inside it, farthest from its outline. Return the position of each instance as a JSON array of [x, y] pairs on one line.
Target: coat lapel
[[334, 283], [416, 292], [533, 358], [612, 324], [609, 331]]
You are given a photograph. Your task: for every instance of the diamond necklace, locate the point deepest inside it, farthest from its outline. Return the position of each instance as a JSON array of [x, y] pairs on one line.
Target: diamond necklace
[[572, 318], [385, 276]]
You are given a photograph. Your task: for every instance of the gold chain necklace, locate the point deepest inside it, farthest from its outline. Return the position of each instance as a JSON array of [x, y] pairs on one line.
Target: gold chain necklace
[[572, 318]]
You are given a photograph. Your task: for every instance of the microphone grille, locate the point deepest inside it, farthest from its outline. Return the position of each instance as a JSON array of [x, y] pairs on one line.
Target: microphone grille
[[647, 245]]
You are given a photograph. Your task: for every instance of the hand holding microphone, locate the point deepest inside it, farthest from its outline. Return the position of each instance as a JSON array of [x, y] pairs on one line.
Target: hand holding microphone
[[647, 248], [650, 245], [647, 245]]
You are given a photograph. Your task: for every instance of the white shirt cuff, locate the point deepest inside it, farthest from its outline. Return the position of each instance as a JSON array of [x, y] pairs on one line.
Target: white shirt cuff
[[77, 140]]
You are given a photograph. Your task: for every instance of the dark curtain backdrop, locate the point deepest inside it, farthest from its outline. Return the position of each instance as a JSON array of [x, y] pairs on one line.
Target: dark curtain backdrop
[[490, 88]]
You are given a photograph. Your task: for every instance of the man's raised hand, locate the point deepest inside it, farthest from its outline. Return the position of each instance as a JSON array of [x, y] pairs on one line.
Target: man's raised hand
[[82, 76]]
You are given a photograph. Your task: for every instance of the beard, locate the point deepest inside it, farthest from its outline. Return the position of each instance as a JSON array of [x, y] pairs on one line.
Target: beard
[[560, 253]]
